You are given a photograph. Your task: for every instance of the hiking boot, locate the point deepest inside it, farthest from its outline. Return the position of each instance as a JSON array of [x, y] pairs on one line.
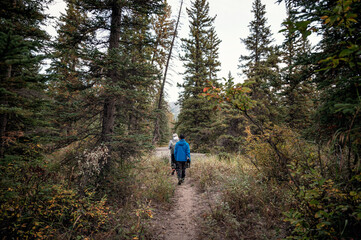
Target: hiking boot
[[179, 181], [173, 171]]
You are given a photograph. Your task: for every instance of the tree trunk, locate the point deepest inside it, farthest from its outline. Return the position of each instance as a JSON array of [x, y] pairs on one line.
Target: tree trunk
[[110, 101], [3, 123], [108, 119], [4, 118]]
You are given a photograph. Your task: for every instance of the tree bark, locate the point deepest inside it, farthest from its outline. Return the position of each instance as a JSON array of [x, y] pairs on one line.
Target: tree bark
[[4, 118], [110, 101], [3, 124]]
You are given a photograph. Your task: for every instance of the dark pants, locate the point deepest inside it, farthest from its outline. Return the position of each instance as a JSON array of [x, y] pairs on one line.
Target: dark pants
[[173, 164], [181, 169]]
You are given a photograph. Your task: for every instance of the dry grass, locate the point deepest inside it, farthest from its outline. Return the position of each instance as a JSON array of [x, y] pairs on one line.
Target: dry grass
[[152, 180], [242, 205], [149, 185]]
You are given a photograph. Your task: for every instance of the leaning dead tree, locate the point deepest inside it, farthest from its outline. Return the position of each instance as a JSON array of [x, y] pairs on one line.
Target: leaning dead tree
[[156, 134]]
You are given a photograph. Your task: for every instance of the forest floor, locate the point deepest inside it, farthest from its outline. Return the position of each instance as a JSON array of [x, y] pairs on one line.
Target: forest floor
[[180, 220], [221, 198]]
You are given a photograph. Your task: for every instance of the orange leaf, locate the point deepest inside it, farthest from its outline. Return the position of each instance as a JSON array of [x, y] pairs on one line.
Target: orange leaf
[[206, 89]]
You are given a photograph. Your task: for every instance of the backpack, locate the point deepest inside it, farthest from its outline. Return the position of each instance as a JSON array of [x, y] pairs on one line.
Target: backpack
[[172, 146]]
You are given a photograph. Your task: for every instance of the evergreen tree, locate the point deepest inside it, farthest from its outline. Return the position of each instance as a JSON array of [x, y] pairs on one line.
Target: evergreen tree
[[259, 40], [336, 72], [334, 67], [72, 86], [124, 70], [297, 89], [212, 48], [261, 65], [231, 131], [124, 66], [22, 43], [103, 80], [138, 82], [201, 64]]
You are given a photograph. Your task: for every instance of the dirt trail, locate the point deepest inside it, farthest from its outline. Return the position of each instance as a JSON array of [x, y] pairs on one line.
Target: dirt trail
[[180, 221]]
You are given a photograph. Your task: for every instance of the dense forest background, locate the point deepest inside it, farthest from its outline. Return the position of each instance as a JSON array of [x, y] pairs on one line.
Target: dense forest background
[[80, 113]]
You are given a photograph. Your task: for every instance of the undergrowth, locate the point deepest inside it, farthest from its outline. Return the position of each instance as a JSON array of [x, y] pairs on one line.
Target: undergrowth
[[242, 204], [285, 188], [151, 185], [38, 203]]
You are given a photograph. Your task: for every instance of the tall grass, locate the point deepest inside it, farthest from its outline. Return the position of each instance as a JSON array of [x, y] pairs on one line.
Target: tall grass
[[149, 184], [242, 204], [152, 180]]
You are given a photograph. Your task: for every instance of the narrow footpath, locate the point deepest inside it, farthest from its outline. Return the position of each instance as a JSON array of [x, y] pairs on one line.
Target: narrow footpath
[[180, 222]]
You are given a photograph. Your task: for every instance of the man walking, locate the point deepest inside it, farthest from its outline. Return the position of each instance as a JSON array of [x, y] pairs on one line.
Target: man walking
[[182, 156], [171, 146]]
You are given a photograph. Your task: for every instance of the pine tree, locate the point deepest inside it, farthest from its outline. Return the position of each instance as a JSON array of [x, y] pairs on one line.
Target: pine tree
[[125, 61], [212, 48], [201, 64], [127, 56], [334, 67], [259, 40], [231, 131], [22, 43], [335, 71], [261, 65], [297, 89], [72, 86], [104, 80]]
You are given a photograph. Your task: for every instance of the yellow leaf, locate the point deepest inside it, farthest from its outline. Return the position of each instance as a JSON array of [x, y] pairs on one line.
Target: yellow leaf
[[352, 20]]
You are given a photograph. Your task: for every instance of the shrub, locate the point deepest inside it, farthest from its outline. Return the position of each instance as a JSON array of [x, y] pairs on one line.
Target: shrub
[[324, 204], [325, 209], [277, 148], [91, 163], [33, 206]]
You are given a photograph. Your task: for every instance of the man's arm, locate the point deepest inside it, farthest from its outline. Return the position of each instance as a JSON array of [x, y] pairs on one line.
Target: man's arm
[[188, 153]]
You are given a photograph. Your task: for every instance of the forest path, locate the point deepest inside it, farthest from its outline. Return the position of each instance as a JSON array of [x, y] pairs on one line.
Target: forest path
[[179, 221]]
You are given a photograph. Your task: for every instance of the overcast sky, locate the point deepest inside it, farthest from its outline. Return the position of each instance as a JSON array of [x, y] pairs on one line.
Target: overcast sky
[[231, 24]]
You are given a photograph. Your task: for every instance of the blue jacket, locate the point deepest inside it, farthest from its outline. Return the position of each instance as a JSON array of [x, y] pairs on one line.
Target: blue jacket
[[182, 151]]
